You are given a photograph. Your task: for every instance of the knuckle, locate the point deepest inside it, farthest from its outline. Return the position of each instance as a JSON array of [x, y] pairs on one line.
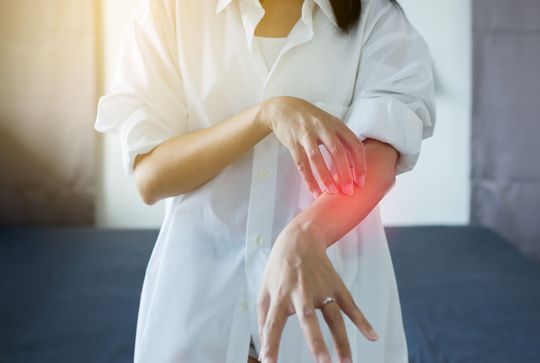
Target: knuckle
[[280, 298], [300, 166], [318, 122], [304, 129], [317, 346], [312, 152], [307, 312], [290, 310], [272, 324], [293, 146]]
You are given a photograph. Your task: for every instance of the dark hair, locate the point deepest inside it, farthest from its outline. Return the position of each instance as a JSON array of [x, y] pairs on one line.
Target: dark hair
[[348, 12]]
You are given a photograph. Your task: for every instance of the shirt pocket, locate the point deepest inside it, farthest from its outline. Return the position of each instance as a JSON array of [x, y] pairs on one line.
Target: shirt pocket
[[338, 110]]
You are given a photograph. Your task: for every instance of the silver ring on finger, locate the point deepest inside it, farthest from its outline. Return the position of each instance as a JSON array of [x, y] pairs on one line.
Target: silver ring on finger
[[326, 300]]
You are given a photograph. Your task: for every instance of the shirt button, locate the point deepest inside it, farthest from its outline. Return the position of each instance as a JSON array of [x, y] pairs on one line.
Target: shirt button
[[258, 240], [243, 306], [264, 173]]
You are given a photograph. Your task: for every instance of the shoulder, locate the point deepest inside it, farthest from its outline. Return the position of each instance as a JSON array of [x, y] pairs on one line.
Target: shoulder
[[383, 17], [173, 11], [376, 10], [380, 5]]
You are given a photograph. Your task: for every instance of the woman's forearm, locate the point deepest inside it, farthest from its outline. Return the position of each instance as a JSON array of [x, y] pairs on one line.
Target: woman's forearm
[[187, 161], [332, 216]]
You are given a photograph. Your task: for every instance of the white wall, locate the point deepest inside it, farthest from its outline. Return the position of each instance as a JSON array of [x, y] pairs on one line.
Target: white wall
[[118, 204], [436, 191]]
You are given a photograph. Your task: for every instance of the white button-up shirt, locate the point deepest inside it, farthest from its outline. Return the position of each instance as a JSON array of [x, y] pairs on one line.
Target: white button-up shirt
[[186, 65]]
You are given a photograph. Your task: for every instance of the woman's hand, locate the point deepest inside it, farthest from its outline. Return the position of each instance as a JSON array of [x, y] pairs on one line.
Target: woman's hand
[[297, 277], [301, 127]]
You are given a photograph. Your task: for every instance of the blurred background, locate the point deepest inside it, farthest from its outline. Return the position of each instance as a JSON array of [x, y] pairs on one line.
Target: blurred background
[[58, 57], [463, 225]]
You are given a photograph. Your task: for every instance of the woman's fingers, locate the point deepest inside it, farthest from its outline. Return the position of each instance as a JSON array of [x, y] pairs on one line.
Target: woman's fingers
[[334, 319], [273, 327], [315, 157], [310, 326], [302, 164], [349, 307], [339, 156], [356, 149]]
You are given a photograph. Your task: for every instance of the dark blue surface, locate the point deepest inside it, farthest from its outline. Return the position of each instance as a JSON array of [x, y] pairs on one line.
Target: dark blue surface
[[467, 295], [72, 294]]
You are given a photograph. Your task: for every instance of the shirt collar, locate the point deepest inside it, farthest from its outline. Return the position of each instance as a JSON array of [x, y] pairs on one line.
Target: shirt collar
[[324, 5]]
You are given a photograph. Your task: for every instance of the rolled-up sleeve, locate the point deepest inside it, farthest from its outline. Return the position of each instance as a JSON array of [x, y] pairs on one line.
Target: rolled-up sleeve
[[145, 105], [394, 92]]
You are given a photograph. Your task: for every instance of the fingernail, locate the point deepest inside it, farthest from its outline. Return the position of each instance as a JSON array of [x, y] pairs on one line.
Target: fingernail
[[333, 189], [347, 360], [374, 335], [362, 181], [348, 189], [323, 358], [316, 194]]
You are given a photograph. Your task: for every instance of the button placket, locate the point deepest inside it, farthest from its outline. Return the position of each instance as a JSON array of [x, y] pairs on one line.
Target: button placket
[[262, 196], [260, 217]]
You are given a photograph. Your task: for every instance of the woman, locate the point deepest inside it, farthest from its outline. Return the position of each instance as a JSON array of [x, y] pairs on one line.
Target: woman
[[271, 130]]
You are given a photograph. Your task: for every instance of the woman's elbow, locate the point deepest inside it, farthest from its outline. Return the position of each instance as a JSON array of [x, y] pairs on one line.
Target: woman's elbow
[[147, 196], [144, 181]]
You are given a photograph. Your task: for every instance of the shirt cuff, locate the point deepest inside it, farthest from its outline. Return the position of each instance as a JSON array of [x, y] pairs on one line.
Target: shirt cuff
[[139, 132], [389, 120]]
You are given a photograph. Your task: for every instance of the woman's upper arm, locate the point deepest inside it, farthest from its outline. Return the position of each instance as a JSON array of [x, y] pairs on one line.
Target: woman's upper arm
[[394, 92], [146, 103], [381, 157]]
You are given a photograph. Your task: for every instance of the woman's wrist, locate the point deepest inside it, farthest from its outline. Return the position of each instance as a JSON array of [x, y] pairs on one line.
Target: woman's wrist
[[307, 231], [263, 115], [260, 118], [266, 111]]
